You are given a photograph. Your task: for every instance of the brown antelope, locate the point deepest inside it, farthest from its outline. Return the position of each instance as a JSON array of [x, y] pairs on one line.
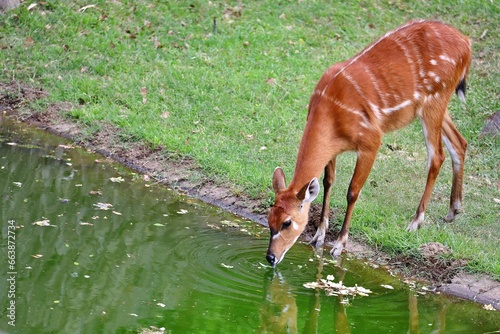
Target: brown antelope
[[410, 72]]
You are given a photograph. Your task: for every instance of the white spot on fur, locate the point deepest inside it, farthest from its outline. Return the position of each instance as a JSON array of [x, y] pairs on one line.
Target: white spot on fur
[[416, 96], [448, 59], [400, 106], [433, 62]]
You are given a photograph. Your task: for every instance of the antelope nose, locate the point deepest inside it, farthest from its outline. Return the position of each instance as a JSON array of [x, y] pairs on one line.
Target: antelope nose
[[271, 259]]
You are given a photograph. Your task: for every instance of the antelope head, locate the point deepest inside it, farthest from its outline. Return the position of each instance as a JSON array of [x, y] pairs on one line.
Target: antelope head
[[289, 215]]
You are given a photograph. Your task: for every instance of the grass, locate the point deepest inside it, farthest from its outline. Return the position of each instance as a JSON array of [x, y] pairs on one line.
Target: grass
[[233, 97]]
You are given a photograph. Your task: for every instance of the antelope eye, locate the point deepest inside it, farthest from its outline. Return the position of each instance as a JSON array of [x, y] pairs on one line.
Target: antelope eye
[[286, 223]]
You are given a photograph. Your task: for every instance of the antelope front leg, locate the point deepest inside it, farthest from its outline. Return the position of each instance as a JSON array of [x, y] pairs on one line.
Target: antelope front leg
[[361, 171], [319, 238]]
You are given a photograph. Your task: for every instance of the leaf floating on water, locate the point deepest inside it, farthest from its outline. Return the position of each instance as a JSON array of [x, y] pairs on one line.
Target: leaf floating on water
[[229, 223], [182, 212], [335, 289], [390, 287], [102, 206], [118, 179], [489, 307], [43, 223], [227, 266]]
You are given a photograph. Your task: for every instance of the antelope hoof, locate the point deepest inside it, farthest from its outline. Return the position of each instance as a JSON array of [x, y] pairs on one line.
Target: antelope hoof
[[451, 215], [412, 227], [337, 249], [318, 240]]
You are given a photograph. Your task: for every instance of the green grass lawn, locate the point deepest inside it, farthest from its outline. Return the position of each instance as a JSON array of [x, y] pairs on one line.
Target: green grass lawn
[[233, 96]]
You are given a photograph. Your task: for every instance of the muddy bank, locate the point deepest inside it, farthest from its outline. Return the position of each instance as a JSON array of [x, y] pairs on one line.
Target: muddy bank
[[185, 175]]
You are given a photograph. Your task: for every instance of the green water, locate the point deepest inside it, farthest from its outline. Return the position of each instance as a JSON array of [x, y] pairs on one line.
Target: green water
[[157, 258]]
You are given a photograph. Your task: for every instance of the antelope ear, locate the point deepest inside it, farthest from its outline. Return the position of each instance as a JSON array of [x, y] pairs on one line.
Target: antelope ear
[[279, 182], [309, 192]]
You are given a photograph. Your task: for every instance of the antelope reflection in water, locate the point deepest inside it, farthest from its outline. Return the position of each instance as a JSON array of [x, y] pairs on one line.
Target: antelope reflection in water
[[278, 312]]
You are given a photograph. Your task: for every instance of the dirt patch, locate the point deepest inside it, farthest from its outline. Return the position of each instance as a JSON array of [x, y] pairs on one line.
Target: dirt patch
[[432, 263]]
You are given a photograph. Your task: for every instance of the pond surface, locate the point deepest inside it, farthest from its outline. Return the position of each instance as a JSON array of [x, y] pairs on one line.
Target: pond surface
[[100, 250]]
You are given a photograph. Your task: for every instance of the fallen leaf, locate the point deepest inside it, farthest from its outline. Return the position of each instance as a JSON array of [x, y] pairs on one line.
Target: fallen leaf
[[102, 206], [32, 6], [84, 8], [29, 41], [496, 200], [165, 115], [44, 222], [271, 81], [489, 307], [118, 179]]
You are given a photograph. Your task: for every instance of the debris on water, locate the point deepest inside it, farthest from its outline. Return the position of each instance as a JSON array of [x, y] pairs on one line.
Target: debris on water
[[102, 206], [133, 314], [118, 179], [227, 266], [95, 192], [19, 184], [488, 307], [229, 223], [37, 256], [160, 304], [75, 274], [86, 224], [390, 287], [337, 289], [117, 213], [64, 200], [44, 223], [158, 224], [182, 212]]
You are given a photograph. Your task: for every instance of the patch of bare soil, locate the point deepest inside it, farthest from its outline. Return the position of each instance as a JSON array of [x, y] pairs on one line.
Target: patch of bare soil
[[433, 263]]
